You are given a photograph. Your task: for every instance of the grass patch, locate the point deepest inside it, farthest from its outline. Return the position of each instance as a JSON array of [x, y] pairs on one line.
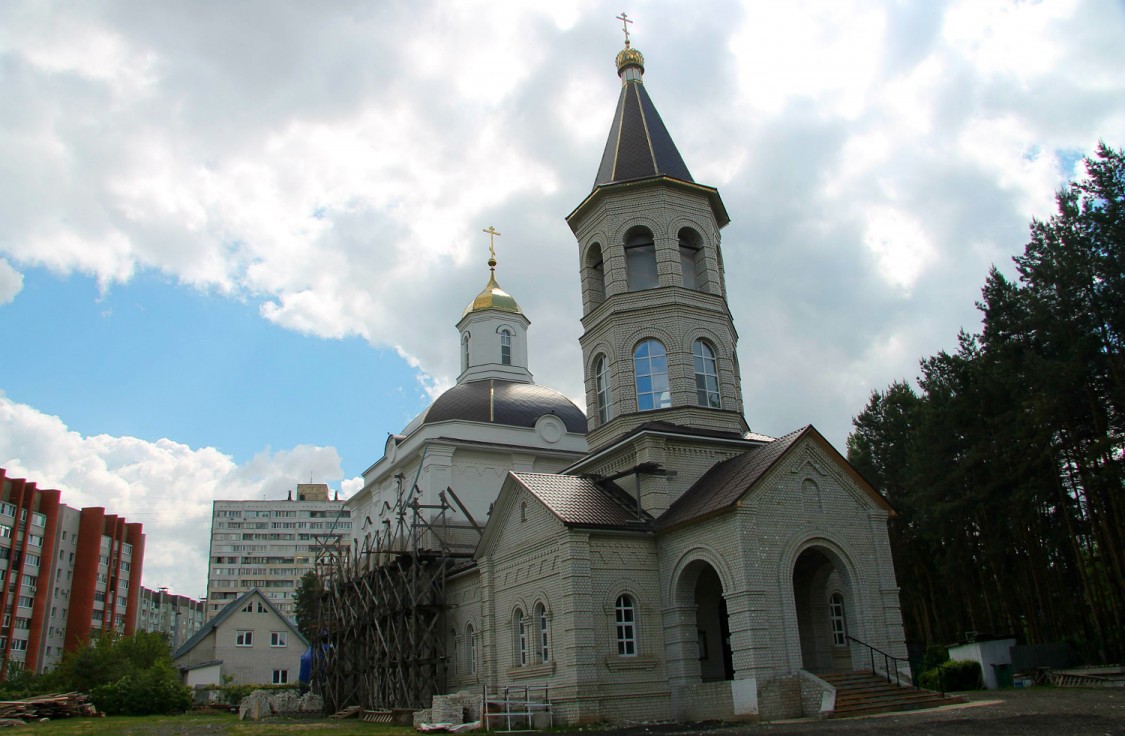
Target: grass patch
[[206, 724]]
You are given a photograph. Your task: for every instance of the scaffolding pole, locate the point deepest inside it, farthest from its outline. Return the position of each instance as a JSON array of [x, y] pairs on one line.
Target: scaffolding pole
[[381, 616]]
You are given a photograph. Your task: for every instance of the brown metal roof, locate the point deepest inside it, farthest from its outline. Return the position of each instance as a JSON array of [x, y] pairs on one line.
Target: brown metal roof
[[580, 501], [726, 482]]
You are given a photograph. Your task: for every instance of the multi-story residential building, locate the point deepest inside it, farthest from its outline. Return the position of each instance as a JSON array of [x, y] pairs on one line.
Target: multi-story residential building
[[175, 616], [269, 545], [66, 574]]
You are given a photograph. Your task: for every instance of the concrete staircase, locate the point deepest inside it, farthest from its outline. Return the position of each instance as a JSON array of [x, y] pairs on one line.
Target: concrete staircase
[[863, 693]]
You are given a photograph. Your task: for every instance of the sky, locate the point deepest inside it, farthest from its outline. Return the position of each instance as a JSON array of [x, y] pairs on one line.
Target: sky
[[235, 237]]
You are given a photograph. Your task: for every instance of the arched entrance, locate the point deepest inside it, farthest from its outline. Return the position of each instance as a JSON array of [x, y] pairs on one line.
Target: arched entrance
[[701, 587], [822, 595]]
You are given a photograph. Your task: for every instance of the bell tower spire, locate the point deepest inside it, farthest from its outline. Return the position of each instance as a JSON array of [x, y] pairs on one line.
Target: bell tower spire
[[658, 342]]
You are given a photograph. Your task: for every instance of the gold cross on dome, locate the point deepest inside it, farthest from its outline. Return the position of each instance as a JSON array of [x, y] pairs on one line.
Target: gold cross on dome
[[491, 242], [625, 26]]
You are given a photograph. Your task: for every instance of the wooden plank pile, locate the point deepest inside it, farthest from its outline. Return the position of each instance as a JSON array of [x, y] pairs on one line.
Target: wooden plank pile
[[59, 705]]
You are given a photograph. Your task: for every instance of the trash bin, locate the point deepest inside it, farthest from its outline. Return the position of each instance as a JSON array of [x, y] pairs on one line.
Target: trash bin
[[1003, 673]]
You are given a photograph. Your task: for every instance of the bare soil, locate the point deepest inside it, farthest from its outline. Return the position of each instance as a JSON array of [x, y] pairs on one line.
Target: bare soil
[[1039, 711]]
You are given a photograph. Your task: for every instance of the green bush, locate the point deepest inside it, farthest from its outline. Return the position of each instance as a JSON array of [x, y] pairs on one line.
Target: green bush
[[155, 691], [935, 656], [961, 674]]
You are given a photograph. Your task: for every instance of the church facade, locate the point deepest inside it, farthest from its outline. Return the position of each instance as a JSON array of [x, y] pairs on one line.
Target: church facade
[[654, 559]]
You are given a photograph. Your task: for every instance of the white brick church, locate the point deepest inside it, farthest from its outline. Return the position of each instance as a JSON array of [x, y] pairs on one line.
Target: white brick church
[[653, 558]]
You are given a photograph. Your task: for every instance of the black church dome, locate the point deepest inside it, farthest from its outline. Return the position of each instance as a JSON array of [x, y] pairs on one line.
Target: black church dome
[[512, 403]]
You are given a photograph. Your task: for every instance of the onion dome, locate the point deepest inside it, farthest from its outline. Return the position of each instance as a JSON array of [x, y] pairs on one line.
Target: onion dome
[[493, 297], [629, 56]]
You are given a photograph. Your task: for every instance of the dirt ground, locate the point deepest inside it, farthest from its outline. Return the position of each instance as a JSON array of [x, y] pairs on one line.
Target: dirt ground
[[1032, 712]]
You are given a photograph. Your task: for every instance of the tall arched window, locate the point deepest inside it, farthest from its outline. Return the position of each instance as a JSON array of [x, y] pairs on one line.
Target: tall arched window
[[706, 375], [625, 615], [521, 638], [452, 649], [601, 378], [595, 274], [691, 258], [464, 352], [471, 642], [650, 366], [640, 260], [839, 624], [506, 346], [544, 633]]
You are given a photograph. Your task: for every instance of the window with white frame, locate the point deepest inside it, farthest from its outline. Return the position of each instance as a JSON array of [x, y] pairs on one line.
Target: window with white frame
[[839, 624], [505, 347], [544, 633], [521, 638], [280, 677], [471, 637], [278, 638], [706, 375], [625, 615], [464, 352], [244, 638], [650, 367], [601, 378]]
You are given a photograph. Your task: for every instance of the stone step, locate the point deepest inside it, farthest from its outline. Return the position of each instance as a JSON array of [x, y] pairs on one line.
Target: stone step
[[863, 693]]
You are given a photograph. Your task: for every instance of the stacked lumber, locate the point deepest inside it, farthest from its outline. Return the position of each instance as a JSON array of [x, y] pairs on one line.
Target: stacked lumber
[[352, 711], [60, 705]]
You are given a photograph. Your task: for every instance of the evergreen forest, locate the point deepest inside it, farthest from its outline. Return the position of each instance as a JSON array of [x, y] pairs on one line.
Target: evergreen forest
[[1004, 462]]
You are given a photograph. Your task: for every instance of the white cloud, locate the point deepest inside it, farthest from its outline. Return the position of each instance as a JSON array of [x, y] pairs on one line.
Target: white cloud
[[11, 282], [336, 166], [165, 485], [900, 245]]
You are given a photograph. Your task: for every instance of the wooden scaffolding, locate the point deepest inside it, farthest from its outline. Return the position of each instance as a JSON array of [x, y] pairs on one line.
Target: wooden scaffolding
[[380, 641]]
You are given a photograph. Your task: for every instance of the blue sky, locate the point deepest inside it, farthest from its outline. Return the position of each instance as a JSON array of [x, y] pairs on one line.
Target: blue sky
[[150, 359], [234, 238]]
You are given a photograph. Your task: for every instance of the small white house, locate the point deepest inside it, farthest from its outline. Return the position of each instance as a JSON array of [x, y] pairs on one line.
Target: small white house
[[249, 641]]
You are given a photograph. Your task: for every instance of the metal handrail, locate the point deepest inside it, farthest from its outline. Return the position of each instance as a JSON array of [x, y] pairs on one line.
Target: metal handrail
[[888, 660]]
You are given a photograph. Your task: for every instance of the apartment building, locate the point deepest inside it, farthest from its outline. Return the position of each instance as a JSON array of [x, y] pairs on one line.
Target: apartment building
[[66, 574], [175, 616], [270, 544]]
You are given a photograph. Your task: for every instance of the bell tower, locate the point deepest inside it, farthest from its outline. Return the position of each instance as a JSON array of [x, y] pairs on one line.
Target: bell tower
[[658, 342]]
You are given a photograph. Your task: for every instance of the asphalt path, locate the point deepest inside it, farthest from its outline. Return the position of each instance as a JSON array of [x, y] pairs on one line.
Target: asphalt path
[[1037, 711]]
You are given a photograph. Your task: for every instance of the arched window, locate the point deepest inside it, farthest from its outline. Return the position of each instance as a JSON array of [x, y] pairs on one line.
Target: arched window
[[625, 615], [471, 643], [521, 638], [452, 649], [691, 258], [706, 375], [640, 260], [650, 366], [506, 346], [464, 352], [601, 377], [595, 274], [544, 633], [839, 624]]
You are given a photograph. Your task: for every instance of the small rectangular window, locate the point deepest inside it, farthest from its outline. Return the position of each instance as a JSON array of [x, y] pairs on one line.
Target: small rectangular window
[[278, 638], [280, 677], [244, 639]]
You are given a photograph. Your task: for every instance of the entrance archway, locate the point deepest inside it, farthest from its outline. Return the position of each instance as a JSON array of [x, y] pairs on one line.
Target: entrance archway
[[822, 595], [701, 587]]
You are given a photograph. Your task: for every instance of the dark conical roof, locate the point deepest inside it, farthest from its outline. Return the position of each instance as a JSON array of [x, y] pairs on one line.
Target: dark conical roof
[[639, 146]]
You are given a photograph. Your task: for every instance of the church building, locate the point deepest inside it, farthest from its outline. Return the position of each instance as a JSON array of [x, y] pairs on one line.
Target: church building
[[652, 558]]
